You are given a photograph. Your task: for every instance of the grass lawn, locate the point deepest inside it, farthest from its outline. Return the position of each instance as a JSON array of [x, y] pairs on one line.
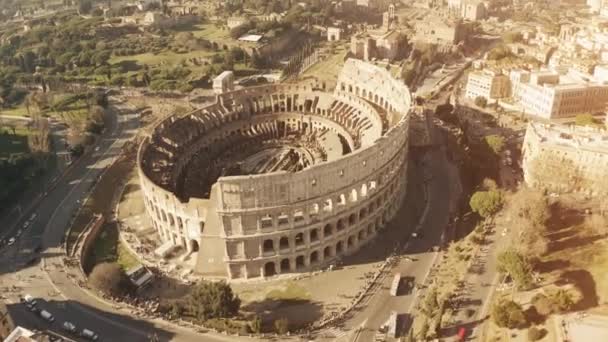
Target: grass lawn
[[168, 57], [329, 68], [17, 111], [108, 248], [291, 291], [211, 32]]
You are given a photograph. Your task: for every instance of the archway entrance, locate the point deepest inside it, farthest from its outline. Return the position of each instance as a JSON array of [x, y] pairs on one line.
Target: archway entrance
[[284, 265], [269, 269], [194, 246]]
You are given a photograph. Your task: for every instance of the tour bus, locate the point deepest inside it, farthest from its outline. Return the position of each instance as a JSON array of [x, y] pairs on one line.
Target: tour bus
[[395, 285], [392, 325]]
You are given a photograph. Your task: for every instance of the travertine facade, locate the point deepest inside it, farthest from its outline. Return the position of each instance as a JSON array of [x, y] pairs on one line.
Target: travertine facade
[[551, 96], [488, 84], [566, 158], [295, 216]]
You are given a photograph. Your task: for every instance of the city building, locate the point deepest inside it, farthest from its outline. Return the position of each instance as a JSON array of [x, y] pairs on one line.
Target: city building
[[334, 34], [550, 95], [566, 158], [385, 43], [488, 84], [234, 22], [223, 82], [280, 178], [473, 10], [441, 31]]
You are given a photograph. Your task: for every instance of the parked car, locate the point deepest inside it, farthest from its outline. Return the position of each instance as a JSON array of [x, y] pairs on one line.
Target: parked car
[[88, 334], [47, 316], [69, 327]]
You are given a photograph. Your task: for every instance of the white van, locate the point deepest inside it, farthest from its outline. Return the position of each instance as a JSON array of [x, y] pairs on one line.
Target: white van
[[29, 299], [47, 316], [86, 333]]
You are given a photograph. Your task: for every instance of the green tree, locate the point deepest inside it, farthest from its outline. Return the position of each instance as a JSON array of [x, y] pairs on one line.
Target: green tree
[[85, 6], [508, 314], [256, 325], [495, 142], [212, 300], [281, 326], [563, 300], [512, 37], [585, 120], [517, 266], [481, 101], [486, 203], [535, 334], [110, 279]]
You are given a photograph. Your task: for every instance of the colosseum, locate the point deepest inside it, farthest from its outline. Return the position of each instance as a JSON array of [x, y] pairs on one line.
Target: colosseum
[[566, 158], [280, 178]]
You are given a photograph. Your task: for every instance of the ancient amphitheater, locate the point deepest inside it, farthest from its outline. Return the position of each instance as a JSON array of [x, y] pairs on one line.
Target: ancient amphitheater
[[280, 178]]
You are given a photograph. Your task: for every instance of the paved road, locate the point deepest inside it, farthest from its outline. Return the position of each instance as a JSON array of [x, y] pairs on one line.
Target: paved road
[[415, 262]]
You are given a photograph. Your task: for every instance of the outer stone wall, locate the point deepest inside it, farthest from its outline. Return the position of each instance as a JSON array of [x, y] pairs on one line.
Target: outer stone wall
[[261, 225]]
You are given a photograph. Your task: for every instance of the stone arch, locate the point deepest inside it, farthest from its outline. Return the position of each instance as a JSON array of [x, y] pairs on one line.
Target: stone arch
[[314, 235], [352, 219], [164, 215], [364, 190], [171, 219], [339, 247], [194, 245], [341, 199], [361, 235], [269, 269], [327, 252], [328, 230], [340, 225], [328, 205], [353, 195], [284, 243], [300, 262], [350, 242], [299, 239], [362, 213], [268, 246], [285, 266], [314, 257]]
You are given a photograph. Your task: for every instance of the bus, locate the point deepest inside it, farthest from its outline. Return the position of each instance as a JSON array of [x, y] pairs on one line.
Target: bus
[[395, 285]]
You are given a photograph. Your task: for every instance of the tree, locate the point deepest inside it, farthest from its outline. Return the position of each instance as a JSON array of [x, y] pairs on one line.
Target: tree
[[535, 334], [110, 279], [486, 203], [585, 120], [212, 300], [512, 37], [495, 142], [563, 300], [281, 326], [543, 304], [517, 266], [256, 325], [481, 101], [508, 314], [85, 6]]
